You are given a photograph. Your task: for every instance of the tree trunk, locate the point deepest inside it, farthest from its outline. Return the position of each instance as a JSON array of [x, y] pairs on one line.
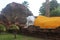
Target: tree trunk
[[15, 33], [47, 8]]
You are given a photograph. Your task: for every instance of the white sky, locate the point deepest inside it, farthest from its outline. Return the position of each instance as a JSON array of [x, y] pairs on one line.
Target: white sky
[[34, 5]]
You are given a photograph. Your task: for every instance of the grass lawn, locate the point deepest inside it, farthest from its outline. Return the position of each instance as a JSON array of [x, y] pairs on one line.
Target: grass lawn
[[19, 37]]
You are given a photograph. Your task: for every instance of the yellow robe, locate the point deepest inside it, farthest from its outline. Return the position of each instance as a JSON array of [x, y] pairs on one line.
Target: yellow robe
[[47, 22]]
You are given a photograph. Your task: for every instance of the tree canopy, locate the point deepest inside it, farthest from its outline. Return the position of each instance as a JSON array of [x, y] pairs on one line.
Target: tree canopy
[[53, 5], [25, 3], [55, 12]]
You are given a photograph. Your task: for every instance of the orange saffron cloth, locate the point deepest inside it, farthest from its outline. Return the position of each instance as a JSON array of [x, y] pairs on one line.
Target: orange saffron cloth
[[47, 22]]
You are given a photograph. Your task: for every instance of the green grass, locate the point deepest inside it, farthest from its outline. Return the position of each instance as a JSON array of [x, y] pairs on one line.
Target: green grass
[[19, 37]]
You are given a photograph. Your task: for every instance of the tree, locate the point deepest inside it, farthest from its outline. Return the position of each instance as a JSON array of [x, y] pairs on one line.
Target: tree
[[42, 9], [4, 21], [25, 3], [55, 12], [53, 5], [14, 27], [15, 10], [2, 28]]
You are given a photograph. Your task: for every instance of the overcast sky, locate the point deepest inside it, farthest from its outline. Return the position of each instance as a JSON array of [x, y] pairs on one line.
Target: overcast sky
[[34, 5]]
